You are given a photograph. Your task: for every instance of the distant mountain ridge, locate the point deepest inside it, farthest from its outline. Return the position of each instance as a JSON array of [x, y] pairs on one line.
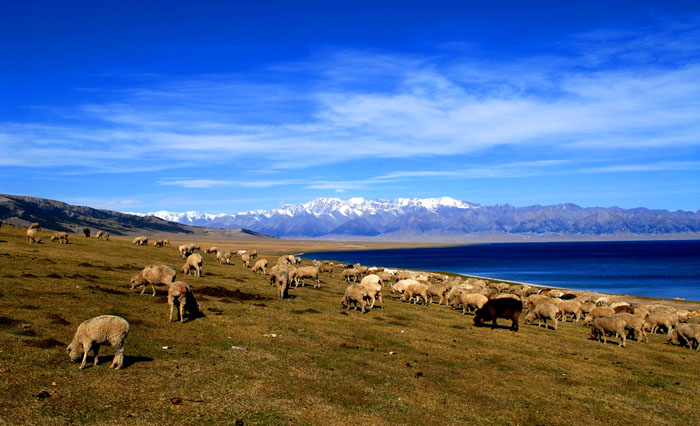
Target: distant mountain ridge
[[442, 218]]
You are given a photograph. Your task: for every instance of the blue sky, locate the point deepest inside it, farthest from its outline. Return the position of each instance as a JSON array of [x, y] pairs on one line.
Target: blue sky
[[143, 106]]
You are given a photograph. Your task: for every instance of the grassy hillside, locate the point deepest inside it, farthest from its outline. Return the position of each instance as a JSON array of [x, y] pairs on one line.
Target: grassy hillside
[[402, 365]]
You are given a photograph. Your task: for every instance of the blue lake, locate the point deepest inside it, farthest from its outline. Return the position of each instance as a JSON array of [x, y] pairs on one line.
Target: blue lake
[[665, 269]]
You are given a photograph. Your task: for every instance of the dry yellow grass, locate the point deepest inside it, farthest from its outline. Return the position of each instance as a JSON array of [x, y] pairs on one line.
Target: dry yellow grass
[[326, 365]]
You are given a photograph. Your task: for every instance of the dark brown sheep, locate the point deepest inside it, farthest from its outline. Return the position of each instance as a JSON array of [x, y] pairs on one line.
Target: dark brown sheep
[[507, 308], [623, 308]]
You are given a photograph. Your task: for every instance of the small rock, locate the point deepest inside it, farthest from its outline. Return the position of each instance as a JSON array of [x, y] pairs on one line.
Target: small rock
[[26, 326], [392, 353], [167, 347], [238, 348], [270, 335]]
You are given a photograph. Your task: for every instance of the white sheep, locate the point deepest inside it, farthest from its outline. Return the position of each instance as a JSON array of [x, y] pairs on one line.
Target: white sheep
[[260, 265], [373, 287], [634, 325], [603, 325], [357, 295], [153, 274], [181, 293], [33, 236], [308, 272], [185, 250], [193, 262], [543, 311], [97, 331], [686, 335], [468, 301], [413, 291]]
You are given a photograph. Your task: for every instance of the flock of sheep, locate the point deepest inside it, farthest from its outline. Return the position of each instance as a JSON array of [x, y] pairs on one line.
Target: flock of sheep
[[488, 301]]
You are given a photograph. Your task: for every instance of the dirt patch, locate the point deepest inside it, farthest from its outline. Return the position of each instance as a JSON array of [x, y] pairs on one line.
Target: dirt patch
[[30, 307], [28, 333], [105, 289], [401, 323], [136, 321], [260, 305], [75, 276], [227, 300], [216, 311], [346, 346], [230, 294], [8, 322], [47, 343], [161, 299], [458, 327], [92, 277], [53, 276], [28, 275], [85, 264], [305, 311], [57, 319]]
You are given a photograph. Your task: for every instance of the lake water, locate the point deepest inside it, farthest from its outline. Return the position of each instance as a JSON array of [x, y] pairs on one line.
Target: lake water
[[665, 269]]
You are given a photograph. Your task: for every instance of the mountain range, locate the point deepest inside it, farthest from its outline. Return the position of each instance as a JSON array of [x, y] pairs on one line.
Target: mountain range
[[445, 219]]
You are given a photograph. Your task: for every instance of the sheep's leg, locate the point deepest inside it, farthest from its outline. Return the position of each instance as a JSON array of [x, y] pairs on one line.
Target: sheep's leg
[[118, 358], [182, 311], [86, 349], [555, 323], [154, 289], [143, 289], [95, 350]]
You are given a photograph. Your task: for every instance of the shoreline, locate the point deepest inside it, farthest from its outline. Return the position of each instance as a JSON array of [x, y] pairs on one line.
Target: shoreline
[[678, 302]]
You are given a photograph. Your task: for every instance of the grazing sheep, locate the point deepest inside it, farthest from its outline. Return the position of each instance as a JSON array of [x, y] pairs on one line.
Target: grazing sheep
[[34, 225], [587, 307], [355, 294], [385, 276], [277, 269], [603, 325], [438, 290], [535, 299], [413, 291], [308, 272], [543, 311], [618, 304], [212, 250], [283, 283], [153, 274], [97, 331], [185, 250], [572, 307], [694, 320], [260, 265], [165, 242], [469, 301], [33, 236], [350, 274], [60, 237], [326, 267], [181, 293], [194, 262], [158, 243], [373, 286], [459, 289], [105, 236], [86, 231], [253, 254], [400, 286], [598, 312], [686, 335], [634, 326], [654, 322], [405, 275], [196, 248], [140, 241], [499, 308], [245, 258]]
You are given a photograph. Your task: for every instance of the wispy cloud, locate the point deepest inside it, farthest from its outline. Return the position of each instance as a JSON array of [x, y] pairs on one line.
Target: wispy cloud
[[325, 112]]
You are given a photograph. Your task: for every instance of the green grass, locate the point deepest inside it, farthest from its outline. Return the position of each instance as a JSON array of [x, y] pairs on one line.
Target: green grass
[[326, 365]]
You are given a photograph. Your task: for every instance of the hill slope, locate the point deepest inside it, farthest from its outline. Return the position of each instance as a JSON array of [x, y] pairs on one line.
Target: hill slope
[[60, 216]]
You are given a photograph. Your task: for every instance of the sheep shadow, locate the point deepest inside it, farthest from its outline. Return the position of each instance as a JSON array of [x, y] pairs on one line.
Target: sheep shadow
[[497, 327], [129, 360]]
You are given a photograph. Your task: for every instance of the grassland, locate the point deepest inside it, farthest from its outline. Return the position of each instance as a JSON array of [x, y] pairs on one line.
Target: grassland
[[402, 365]]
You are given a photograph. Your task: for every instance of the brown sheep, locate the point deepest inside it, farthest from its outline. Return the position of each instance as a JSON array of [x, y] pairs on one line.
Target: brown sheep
[[153, 274], [572, 307], [438, 290], [193, 262], [499, 308], [350, 274], [623, 308], [33, 236], [283, 283], [634, 326], [253, 254], [597, 313], [326, 267], [686, 335], [60, 237]]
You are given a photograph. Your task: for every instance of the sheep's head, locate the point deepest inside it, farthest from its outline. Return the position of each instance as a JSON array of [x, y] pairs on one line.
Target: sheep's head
[[530, 317], [135, 280], [72, 351], [478, 319]]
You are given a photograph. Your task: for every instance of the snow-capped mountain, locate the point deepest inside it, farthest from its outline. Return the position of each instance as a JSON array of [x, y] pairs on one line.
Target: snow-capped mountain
[[443, 218]]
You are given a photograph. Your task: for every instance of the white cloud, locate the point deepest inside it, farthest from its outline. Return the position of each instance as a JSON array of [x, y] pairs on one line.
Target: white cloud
[[379, 105]]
